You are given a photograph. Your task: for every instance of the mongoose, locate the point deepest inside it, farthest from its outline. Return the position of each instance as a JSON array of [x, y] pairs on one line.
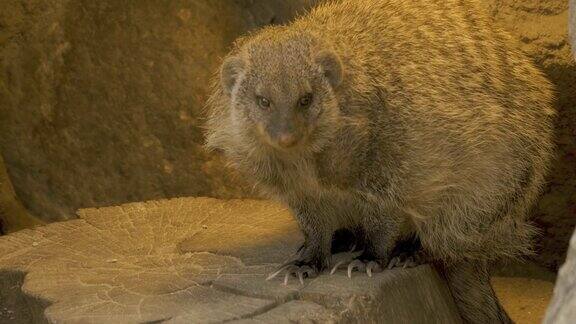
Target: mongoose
[[393, 118]]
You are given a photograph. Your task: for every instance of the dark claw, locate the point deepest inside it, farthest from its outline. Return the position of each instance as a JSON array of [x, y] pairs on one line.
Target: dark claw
[[408, 262], [392, 263]]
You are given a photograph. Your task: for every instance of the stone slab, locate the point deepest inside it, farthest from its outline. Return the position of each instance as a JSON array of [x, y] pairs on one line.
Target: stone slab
[[194, 260]]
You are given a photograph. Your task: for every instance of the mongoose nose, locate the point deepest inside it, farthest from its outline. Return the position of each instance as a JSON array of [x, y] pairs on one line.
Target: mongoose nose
[[287, 140]]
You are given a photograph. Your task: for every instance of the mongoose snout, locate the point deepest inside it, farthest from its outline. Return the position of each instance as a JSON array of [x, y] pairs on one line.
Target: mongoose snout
[[283, 128], [283, 103], [287, 140]]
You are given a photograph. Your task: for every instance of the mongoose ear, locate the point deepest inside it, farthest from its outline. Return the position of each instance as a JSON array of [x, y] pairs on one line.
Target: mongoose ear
[[232, 68], [331, 66]]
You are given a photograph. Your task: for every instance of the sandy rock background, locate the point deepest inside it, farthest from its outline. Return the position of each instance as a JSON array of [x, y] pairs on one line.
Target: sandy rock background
[[542, 29], [572, 26], [100, 101]]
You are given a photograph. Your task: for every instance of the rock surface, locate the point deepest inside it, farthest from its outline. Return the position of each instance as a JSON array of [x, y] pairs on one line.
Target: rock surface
[[100, 101], [194, 260], [562, 308]]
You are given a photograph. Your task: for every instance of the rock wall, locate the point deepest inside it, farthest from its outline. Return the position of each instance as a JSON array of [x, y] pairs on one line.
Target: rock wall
[[542, 29], [13, 216], [572, 26], [562, 309], [100, 101]]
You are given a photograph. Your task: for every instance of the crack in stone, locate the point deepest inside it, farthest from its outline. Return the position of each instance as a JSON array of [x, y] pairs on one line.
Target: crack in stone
[[294, 296], [275, 302], [289, 297], [163, 320], [255, 313]]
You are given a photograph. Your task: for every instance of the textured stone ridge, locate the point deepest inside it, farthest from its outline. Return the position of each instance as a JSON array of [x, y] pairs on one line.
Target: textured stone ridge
[[194, 260]]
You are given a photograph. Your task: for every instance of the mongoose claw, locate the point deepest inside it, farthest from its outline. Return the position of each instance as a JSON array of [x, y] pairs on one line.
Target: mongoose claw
[[373, 266], [335, 267], [355, 264], [292, 269], [289, 270], [407, 262], [280, 269], [359, 265], [305, 271], [393, 263]]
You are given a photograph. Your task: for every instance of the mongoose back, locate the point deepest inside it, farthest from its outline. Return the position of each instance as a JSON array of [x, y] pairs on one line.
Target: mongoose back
[[393, 118]]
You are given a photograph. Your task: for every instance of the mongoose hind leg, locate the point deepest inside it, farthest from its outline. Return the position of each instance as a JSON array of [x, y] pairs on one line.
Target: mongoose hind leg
[[380, 237], [469, 283]]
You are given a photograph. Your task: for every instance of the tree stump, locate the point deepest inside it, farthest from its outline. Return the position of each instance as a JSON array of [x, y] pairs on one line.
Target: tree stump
[[195, 260]]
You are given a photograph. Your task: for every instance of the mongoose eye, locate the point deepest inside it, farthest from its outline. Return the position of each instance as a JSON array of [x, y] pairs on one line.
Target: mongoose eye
[[305, 101], [263, 102]]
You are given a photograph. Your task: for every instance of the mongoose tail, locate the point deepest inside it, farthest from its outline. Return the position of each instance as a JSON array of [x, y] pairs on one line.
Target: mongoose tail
[[469, 283]]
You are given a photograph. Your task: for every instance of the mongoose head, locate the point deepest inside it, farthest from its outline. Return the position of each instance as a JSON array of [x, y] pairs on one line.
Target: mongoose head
[[282, 88]]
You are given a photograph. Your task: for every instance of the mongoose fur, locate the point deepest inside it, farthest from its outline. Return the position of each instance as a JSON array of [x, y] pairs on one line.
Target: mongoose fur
[[393, 118]]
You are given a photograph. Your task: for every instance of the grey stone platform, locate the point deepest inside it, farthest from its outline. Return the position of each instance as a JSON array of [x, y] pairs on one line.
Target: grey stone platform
[[194, 260]]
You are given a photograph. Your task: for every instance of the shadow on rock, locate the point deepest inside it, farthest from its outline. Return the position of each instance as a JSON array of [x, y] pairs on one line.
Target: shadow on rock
[[16, 306], [556, 211]]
